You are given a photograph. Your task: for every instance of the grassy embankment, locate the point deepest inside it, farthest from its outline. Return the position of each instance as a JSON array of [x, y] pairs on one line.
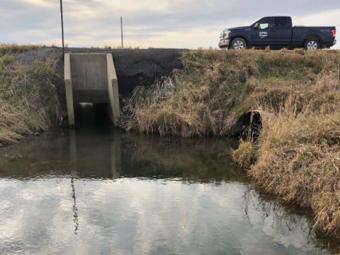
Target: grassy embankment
[[28, 99], [297, 155]]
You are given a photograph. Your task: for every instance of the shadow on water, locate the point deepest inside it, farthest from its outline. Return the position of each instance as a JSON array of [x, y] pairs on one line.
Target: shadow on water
[[100, 152], [96, 150], [132, 194]]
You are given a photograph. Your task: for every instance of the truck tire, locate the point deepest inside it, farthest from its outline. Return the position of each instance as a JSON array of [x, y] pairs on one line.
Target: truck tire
[[238, 44], [312, 44]]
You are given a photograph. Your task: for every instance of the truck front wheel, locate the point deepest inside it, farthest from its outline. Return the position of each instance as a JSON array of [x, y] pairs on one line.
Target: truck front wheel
[[238, 44], [312, 44]]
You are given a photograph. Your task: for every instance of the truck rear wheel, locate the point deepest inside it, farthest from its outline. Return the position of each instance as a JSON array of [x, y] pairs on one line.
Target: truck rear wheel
[[238, 44], [312, 44]]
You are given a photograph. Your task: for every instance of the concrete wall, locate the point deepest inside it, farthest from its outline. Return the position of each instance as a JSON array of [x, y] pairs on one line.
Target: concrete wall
[[69, 90], [89, 78]]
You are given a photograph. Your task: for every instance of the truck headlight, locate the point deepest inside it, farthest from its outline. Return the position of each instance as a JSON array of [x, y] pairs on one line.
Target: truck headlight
[[226, 34]]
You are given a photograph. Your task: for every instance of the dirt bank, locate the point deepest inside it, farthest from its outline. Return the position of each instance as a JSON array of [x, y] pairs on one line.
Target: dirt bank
[[293, 96]]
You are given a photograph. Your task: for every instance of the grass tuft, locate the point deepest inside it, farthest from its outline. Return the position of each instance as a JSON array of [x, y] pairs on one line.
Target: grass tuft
[[28, 98], [244, 155]]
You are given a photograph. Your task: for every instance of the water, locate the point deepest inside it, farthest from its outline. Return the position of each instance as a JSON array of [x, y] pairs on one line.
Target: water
[[104, 192]]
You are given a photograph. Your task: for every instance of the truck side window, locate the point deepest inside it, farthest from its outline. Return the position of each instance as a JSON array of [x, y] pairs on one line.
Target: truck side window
[[282, 22], [265, 23], [264, 26]]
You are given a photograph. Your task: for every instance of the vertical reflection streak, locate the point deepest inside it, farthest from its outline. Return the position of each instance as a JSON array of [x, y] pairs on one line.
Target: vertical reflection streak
[[73, 159], [75, 208]]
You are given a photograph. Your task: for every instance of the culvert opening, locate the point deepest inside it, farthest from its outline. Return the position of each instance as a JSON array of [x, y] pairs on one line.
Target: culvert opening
[[91, 77], [92, 114], [248, 126]]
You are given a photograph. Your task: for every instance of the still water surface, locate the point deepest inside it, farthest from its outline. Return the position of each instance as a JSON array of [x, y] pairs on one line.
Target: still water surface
[[104, 192]]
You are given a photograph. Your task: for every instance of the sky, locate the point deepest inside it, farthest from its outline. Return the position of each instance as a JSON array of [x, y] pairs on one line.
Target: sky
[[149, 23]]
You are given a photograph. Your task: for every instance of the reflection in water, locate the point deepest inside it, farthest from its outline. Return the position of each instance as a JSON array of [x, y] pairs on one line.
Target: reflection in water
[[106, 155], [75, 209], [137, 195]]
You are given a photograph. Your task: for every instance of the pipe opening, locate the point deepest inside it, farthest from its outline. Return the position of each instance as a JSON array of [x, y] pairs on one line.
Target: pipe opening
[[92, 114], [248, 126]]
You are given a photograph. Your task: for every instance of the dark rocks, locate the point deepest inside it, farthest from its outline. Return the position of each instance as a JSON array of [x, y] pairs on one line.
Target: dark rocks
[[138, 67]]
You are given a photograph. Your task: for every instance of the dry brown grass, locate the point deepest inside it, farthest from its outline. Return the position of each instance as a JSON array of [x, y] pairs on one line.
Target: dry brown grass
[[28, 99], [244, 156], [216, 87], [298, 152], [6, 49]]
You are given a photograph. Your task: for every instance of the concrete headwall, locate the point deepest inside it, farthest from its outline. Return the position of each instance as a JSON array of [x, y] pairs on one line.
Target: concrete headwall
[[89, 78]]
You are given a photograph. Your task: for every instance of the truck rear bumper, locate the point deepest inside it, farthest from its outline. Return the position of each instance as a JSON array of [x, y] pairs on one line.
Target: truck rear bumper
[[224, 43], [330, 44]]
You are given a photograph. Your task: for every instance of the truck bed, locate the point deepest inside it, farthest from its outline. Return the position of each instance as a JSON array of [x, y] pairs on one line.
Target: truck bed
[[322, 32]]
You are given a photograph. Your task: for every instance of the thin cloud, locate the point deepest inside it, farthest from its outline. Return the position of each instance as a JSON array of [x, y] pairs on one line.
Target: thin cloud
[[148, 23]]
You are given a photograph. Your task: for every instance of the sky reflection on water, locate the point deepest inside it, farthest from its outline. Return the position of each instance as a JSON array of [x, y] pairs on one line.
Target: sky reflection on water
[[91, 192]]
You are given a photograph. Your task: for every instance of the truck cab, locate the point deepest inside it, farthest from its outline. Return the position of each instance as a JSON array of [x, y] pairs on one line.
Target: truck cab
[[272, 31], [277, 32]]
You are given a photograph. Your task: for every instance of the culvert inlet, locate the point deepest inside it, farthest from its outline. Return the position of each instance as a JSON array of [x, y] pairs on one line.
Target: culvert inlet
[[89, 114], [91, 78], [247, 126]]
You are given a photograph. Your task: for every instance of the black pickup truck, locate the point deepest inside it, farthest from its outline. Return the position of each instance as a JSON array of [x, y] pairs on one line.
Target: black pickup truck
[[278, 32]]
